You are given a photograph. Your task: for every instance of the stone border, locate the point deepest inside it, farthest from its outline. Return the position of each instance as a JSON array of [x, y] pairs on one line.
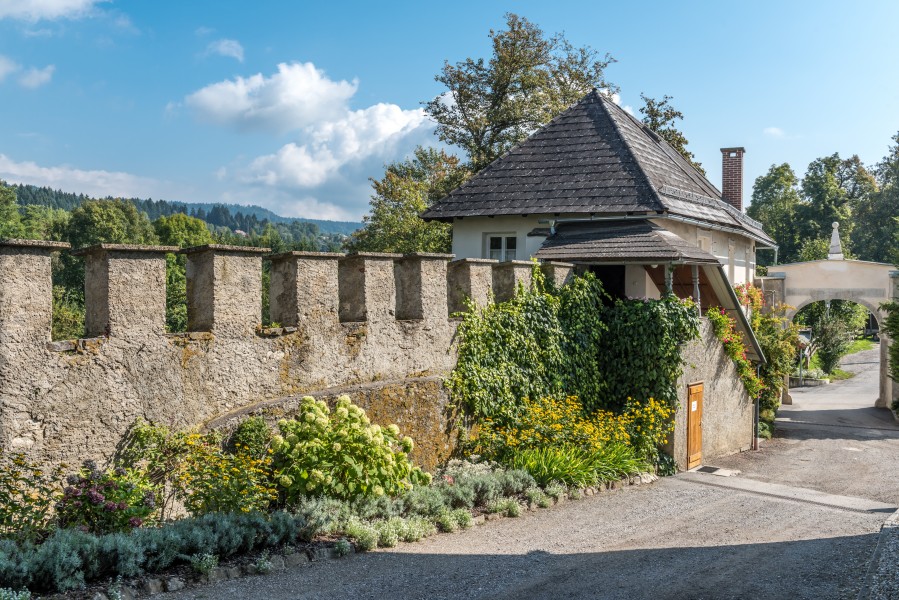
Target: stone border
[[149, 586], [882, 580]]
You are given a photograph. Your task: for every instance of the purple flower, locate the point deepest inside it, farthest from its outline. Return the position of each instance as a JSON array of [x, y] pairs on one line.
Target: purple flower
[[135, 521], [70, 491], [120, 472], [95, 497], [149, 500], [110, 506], [121, 506], [84, 528], [73, 479]]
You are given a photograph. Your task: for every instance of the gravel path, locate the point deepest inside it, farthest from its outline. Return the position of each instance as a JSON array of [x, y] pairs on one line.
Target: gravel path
[[677, 538]]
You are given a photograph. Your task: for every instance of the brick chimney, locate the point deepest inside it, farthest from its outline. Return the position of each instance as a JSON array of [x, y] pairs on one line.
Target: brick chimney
[[732, 176]]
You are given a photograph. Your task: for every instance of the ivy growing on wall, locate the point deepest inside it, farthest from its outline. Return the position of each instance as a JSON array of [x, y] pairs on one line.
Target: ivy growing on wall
[[549, 342], [891, 327]]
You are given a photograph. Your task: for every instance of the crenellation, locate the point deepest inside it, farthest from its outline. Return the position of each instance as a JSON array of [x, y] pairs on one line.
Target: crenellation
[[124, 289], [304, 288], [224, 289], [26, 293], [557, 273], [421, 286], [469, 278], [508, 275], [367, 287]]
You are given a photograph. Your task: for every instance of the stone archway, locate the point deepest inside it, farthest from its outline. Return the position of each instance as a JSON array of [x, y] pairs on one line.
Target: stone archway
[[866, 283]]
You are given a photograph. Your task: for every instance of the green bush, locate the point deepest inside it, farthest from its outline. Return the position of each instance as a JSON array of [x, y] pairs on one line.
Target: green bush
[[106, 501], [252, 436], [568, 466], [8, 594], [341, 454]]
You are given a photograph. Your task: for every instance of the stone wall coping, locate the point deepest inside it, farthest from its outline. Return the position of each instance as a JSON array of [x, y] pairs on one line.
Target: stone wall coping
[[302, 254], [124, 248], [894, 274], [225, 249], [373, 256], [780, 275], [559, 264], [40, 244], [475, 261], [515, 263], [428, 256]]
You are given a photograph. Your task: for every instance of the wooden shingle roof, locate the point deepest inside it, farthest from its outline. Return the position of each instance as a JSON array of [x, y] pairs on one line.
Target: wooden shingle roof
[[619, 242], [593, 159]]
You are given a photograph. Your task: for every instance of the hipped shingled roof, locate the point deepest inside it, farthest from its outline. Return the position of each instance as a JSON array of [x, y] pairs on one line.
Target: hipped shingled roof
[[636, 242], [594, 159]]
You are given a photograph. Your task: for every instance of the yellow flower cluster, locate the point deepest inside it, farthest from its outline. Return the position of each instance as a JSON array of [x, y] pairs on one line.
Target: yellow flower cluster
[[562, 422], [210, 480]]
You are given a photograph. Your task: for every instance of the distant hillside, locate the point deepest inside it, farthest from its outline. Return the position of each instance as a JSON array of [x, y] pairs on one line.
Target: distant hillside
[[233, 216]]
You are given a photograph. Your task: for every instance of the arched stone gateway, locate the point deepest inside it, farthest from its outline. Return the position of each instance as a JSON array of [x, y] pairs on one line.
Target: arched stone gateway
[[867, 283]]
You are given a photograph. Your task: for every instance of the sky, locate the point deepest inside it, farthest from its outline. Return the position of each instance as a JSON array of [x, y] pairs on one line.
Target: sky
[[295, 105]]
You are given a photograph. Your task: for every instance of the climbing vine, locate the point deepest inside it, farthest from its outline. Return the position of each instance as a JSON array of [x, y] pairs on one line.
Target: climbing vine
[[891, 327], [726, 331], [566, 342]]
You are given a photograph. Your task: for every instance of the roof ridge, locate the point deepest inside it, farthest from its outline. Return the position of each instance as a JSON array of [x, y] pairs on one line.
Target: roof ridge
[[655, 192]]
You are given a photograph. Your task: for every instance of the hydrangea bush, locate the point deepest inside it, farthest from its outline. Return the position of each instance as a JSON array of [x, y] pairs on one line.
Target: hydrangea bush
[[341, 454]]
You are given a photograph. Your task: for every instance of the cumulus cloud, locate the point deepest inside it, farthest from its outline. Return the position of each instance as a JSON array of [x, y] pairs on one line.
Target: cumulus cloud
[[35, 78], [228, 48], [7, 66], [37, 10], [91, 182], [774, 132], [295, 97]]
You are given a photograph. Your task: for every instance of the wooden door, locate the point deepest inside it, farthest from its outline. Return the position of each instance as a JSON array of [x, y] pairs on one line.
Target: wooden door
[[694, 425]]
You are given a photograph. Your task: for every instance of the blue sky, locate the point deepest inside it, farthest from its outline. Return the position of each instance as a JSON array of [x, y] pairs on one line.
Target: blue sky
[[293, 105]]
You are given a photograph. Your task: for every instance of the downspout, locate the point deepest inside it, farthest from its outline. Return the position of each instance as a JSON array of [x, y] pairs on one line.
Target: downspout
[[755, 424]]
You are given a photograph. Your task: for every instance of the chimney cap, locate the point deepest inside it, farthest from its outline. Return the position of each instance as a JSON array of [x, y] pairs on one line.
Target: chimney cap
[[739, 149]]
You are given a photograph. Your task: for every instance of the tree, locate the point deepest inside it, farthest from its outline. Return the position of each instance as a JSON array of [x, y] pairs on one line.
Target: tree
[[406, 190], [182, 231], [10, 219], [775, 201], [660, 116], [832, 336], [185, 232], [43, 222], [490, 105], [832, 189], [876, 234]]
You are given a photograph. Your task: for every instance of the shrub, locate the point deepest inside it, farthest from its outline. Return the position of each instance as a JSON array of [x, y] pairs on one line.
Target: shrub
[[252, 437], [205, 563], [106, 501], [210, 480], [648, 425], [365, 534], [341, 454], [506, 506], [726, 331], [8, 594], [26, 497], [342, 547], [569, 466]]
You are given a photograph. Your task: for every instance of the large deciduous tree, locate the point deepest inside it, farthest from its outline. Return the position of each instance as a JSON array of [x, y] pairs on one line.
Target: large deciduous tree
[[876, 234], [492, 104], [775, 202], [10, 219], [660, 116], [406, 190]]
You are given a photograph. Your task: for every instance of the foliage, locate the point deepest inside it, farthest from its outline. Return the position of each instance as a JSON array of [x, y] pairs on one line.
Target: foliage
[[779, 340], [8, 594], [490, 105], [660, 116], [775, 202], [10, 219], [204, 563], [106, 501], [26, 497], [407, 189], [640, 353], [341, 454], [725, 330], [891, 327], [253, 435], [568, 465], [210, 480], [68, 314], [832, 338]]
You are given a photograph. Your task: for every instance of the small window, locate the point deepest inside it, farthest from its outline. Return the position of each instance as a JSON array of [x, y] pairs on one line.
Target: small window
[[502, 247]]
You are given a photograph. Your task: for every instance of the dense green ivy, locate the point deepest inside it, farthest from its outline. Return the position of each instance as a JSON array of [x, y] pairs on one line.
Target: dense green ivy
[[891, 327], [546, 342]]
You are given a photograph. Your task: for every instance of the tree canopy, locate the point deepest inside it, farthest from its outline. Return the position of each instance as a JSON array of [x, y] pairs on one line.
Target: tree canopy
[[660, 116], [491, 104]]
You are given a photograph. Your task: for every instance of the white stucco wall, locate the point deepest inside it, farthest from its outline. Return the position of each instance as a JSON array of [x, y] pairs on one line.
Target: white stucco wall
[[736, 253]]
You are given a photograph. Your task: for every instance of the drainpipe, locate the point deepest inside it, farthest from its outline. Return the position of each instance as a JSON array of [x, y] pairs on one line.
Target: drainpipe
[[755, 424]]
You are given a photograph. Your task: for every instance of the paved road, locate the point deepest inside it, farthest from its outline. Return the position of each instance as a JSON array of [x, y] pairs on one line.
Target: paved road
[[691, 536]]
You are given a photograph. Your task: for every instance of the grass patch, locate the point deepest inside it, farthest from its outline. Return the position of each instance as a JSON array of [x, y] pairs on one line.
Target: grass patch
[[860, 346], [840, 375]]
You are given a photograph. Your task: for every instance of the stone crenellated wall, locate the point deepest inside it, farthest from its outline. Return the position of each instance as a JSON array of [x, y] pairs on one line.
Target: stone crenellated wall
[[378, 326]]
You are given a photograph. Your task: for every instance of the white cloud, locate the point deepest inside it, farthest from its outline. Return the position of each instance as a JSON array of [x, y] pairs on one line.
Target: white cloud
[[297, 96], [35, 78], [7, 66], [774, 132], [91, 182], [36, 10], [230, 48], [202, 30]]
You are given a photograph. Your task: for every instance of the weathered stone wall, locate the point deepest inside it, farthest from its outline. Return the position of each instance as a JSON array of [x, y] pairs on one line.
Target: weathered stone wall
[[377, 323], [728, 411]]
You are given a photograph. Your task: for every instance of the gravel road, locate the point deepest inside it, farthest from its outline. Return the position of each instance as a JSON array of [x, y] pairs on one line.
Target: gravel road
[[677, 538]]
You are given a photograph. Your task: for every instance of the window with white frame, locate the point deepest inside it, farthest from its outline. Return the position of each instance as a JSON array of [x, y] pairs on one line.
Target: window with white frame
[[501, 246]]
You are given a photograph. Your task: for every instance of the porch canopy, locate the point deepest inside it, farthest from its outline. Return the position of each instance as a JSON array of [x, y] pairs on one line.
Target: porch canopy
[[669, 261]]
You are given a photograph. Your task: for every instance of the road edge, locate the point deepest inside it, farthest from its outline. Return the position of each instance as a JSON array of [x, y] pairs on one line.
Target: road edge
[[878, 567]]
